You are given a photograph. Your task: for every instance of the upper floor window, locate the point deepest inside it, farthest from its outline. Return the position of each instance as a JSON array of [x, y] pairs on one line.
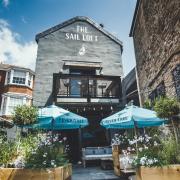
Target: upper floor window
[[19, 77], [30, 80], [8, 76], [176, 76]]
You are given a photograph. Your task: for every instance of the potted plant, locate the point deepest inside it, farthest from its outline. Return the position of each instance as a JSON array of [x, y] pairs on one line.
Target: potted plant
[[36, 156], [158, 160]]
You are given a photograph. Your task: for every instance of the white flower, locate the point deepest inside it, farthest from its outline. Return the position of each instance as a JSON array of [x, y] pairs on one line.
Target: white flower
[[155, 143], [45, 155], [53, 162], [19, 162], [64, 138], [140, 149]]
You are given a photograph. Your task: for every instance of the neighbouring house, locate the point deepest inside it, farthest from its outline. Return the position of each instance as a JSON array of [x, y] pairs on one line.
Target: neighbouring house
[[79, 68], [129, 88], [156, 34], [16, 86]]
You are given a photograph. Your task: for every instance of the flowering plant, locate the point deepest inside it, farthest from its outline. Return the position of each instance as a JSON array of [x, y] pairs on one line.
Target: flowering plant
[[41, 151], [49, 152], [119, 139], [147, 150]]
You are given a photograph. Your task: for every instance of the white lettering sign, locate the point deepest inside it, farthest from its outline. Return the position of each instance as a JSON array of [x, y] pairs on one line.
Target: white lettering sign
[[81, 35]]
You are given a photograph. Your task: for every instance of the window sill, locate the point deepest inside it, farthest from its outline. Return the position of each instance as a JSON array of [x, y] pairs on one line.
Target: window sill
[[23, 85]]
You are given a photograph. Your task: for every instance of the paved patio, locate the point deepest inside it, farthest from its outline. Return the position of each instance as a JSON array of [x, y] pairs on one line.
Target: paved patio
[[95, 173]]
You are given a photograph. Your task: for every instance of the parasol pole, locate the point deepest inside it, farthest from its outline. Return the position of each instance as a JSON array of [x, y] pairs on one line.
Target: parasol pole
[[80, 142], [52, 129], [135, 132]]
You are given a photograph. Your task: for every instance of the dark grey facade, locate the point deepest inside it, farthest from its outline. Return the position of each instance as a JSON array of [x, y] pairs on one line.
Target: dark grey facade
[[79, 68], [77, 41]]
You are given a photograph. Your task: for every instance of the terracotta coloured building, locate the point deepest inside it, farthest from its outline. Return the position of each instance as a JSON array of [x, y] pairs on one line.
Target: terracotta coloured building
[[156, 34], [16, 86]]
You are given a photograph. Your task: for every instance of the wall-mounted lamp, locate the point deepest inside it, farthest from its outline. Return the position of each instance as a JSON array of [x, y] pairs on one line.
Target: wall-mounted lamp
[[61, 71]]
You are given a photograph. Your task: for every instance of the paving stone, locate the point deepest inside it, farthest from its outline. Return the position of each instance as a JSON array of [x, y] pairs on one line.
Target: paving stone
[[94, 173]]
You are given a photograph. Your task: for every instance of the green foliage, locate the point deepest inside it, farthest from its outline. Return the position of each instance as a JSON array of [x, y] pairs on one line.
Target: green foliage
[[27, 145], [24, 115], [148, 104], [33, 151], [7, 151], [170, 152], [167, 107], [47, 154]]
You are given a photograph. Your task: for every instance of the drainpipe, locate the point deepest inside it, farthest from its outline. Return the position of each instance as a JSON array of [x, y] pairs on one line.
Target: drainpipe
[[138, 87]]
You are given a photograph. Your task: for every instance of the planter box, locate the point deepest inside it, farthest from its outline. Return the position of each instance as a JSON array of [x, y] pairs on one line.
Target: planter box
[[59, 173], [115, 155], [171, 172]]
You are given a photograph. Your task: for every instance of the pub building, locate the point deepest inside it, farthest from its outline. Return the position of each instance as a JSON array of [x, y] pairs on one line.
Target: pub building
[[79, 68]]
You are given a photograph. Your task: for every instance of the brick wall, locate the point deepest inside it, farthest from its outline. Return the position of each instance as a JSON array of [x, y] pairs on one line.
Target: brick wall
[[2, 81], [157, 44], [18, 89]]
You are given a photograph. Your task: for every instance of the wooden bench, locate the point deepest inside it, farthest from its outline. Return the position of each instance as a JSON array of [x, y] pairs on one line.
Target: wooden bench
[[96, 153]]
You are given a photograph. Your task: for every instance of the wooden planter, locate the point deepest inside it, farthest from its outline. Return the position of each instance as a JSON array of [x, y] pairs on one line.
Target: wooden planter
[[171, 172], [59, 173], [115, 155]]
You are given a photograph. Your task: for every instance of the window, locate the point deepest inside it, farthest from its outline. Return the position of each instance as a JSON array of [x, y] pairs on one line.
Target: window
[[13, 102], [8, 76], [30, 79], [176, 77], [158, 92], [79, 87], [19, 77]]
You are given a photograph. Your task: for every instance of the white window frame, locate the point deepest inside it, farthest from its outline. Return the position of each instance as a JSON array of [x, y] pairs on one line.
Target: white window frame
[[28, 76], [25, 99]]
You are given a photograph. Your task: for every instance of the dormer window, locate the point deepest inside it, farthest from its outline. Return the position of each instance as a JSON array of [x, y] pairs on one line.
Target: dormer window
[[19, 77]]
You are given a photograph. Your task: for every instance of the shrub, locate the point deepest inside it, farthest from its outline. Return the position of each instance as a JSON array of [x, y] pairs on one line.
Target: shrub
[[8, 151], [167, 107], [170, 152], [24, 115]]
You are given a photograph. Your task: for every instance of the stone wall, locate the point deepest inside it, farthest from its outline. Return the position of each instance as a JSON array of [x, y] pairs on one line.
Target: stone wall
[[157, 44]]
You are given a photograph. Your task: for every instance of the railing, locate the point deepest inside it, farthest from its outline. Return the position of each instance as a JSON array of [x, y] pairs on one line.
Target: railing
[[87, 87]]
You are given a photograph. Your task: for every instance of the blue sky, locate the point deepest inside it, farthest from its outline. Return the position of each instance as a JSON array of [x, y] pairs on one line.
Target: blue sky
[[21, 20]]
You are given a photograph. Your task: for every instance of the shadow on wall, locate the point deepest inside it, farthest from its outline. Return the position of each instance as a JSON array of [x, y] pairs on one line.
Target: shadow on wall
[[49, 100]]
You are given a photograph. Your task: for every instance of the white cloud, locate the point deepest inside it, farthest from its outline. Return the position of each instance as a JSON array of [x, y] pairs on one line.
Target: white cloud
[[5, 2], [12, 51], [23, 20]]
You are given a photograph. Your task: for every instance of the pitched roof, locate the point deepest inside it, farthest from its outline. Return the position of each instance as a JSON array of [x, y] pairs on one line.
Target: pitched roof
[[6, 67], [78, 18]]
